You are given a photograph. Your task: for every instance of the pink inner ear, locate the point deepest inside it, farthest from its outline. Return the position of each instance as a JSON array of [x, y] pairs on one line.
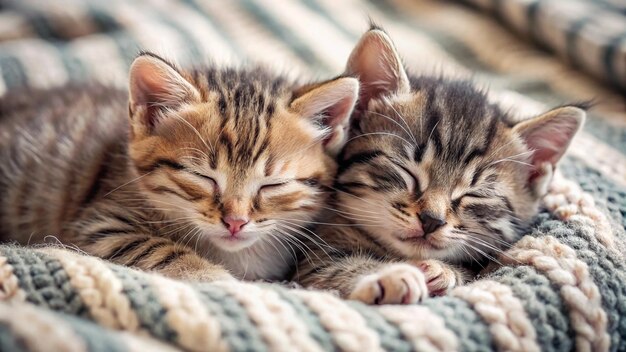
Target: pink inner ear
[[337, 115], [549, 136], [379, 69], [551, 139]]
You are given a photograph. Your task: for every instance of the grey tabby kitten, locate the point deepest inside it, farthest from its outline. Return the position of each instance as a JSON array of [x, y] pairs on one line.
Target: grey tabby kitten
[[433, 178], [195, 174]]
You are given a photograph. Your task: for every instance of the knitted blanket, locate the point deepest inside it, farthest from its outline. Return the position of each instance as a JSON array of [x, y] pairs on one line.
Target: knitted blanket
[[561, 287]]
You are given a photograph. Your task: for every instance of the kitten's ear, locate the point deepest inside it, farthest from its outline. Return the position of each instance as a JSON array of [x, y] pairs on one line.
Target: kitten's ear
[[378, 66], [329, 104], [156, 85], [549, 135]]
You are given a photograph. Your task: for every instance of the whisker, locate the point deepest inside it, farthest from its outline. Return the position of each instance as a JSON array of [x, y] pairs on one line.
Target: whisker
[[127, 183], [378, 133], [398, 124]]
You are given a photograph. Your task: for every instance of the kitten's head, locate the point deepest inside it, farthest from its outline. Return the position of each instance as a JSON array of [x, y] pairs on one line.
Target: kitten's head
[[236, 155], [432, 169]]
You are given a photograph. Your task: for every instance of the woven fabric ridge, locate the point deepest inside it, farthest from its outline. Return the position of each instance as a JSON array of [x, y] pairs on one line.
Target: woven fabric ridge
[[561, 287]]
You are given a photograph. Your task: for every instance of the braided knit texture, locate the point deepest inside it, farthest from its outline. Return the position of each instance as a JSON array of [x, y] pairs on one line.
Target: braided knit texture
[[562, 287]]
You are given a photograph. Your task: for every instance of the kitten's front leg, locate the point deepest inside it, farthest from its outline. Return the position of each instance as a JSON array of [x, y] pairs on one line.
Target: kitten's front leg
[[440, 277], [153, 253], [407, 283], [397, 283]]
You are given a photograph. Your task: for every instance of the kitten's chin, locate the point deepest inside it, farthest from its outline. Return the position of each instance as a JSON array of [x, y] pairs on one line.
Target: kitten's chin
[[233, 244]]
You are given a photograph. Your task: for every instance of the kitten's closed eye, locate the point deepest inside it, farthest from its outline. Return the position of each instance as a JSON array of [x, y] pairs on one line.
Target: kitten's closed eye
[[410, 179], [272, 186], [456, 202], [208, 178], [176, 166]]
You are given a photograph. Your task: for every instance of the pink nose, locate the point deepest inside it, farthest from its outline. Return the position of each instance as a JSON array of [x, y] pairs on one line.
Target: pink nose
[[234, 224]]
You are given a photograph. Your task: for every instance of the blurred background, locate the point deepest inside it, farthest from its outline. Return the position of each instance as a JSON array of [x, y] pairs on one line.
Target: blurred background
[[530, 53]]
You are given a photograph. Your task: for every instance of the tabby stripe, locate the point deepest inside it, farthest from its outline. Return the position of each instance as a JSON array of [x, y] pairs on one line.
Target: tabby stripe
[[359, 158], [193, 194], [163, 189], [158, 164], [386, 181], [95, 185], [477, 173], [507, 203], [167, 260], [418, 154], [344, 186], [148, 252], [126, 249], [122, 219], [262, 148], [384, 248], [108, 231]]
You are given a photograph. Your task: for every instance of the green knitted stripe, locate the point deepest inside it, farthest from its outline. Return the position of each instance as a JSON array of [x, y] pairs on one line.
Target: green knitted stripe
[[44, 280], [96, 338], [282, 32], [391, 338], [608, 133], [12, 70], [9, 341], [461, 53], [237, 328], [212, 22], [472, 332], [312, 320], [542, 303], [606, 193], [606, 268], [145, 302]]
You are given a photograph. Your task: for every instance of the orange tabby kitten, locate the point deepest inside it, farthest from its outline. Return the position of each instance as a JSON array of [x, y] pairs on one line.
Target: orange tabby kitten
[[198, 174]]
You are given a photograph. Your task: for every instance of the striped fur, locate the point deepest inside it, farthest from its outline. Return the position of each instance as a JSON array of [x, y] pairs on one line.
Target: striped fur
[[434, 176], [201, 146]]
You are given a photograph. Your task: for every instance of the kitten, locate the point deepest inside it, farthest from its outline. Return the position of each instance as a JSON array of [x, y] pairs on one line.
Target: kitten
[[212, 172], [434, 175]]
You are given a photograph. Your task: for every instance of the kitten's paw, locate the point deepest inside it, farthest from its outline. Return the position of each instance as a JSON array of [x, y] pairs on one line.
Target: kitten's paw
[[394, 284], [440, 277]]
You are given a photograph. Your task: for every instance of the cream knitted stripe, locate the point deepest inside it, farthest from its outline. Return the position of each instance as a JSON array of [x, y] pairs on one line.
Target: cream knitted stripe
[[276, 320], [568, 202], [38, 329], [508, 323], [99, 289], [134, 343], [558, 262], [347, 327], [433, 336], [196, 329], [9, 283]]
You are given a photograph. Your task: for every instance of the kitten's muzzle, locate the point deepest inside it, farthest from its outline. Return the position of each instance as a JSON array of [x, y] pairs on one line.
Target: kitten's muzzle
[[431, 222], [235, 224]]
